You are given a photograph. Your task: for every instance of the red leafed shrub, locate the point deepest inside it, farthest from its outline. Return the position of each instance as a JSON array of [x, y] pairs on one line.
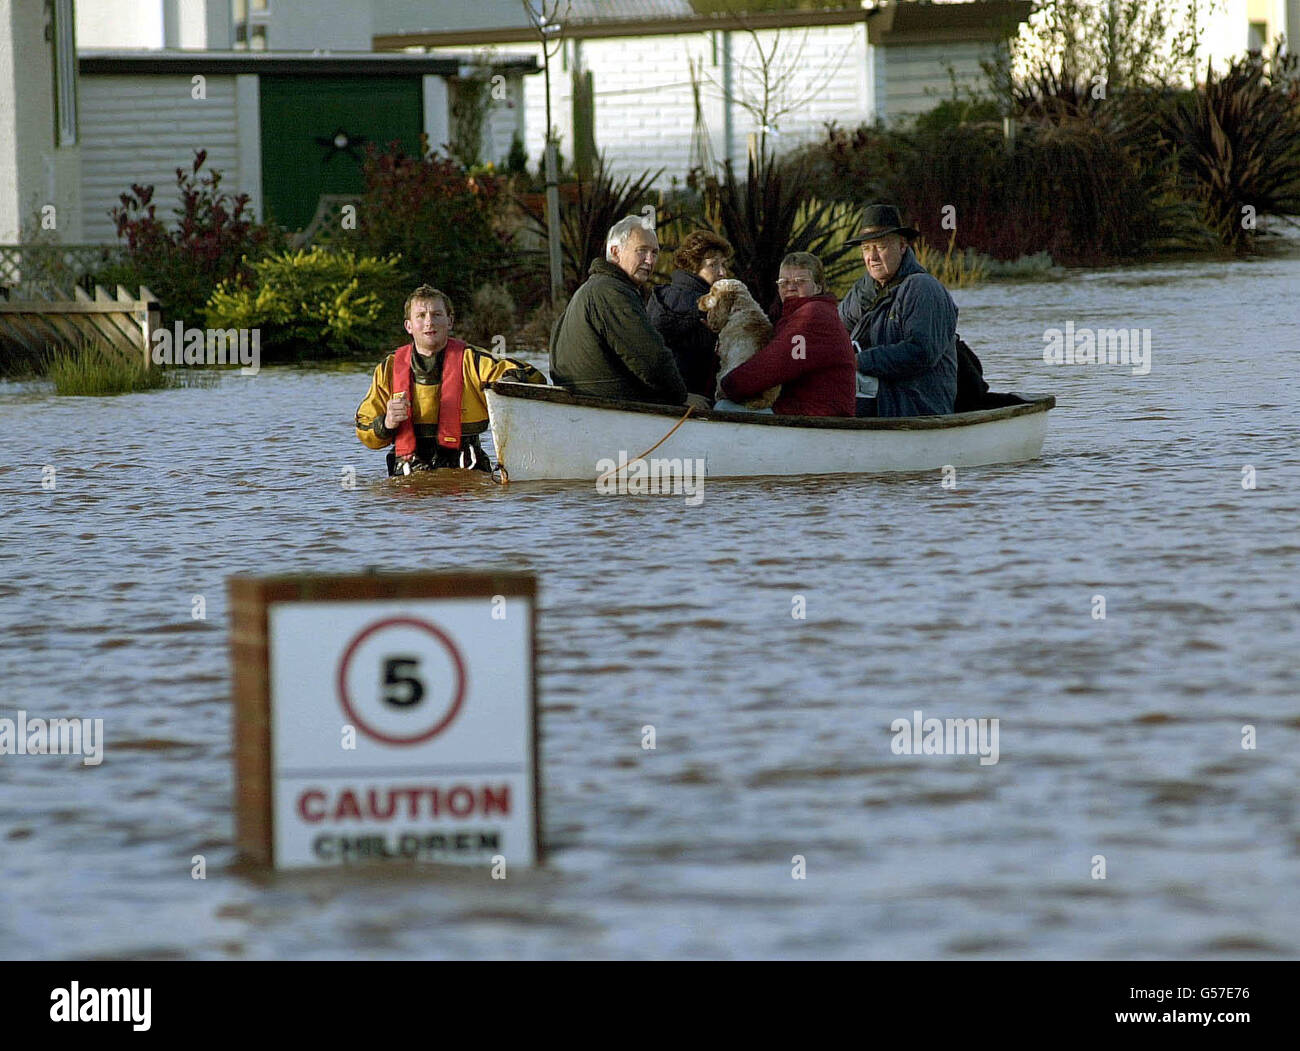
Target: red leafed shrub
[[446, 223], [213, 239]]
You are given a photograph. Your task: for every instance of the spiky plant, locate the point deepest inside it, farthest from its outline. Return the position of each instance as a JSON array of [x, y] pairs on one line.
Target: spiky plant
[[601, 202], [1238, 142], [770, 214]]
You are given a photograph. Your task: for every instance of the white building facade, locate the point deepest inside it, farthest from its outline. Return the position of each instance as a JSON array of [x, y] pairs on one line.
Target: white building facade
[[662, 74], [77, 132]]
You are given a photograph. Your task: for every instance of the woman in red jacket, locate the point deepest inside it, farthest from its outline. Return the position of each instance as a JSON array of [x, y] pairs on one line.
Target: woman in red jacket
[[809, 353]]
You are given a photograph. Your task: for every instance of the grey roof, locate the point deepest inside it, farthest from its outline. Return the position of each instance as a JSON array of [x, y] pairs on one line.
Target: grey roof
[[382, 63], [628, 10]]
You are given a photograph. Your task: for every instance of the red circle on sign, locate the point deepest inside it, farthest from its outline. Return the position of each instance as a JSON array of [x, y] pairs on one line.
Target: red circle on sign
[[451, 649]]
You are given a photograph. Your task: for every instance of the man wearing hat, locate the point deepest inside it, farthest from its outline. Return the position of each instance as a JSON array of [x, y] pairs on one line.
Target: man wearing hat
[[903, 324]]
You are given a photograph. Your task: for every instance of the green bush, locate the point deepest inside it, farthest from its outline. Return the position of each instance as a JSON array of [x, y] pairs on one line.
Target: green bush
[[491, 313], [315, 303], [951, 112], [956, 269], [535, 333], [517, 158], [1026, 268], [856, 165]]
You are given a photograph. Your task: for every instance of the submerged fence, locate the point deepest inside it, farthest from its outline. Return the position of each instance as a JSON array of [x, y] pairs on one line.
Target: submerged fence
[[45, 320]]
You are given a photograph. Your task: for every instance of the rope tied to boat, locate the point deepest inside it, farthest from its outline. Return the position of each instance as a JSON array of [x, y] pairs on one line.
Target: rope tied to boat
[[685, 415]]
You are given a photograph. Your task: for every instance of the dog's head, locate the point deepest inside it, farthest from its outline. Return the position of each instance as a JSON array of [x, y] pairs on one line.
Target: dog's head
[[718, 301]]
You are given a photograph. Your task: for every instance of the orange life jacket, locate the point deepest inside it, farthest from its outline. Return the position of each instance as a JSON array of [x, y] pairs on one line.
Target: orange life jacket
[[449, 396]]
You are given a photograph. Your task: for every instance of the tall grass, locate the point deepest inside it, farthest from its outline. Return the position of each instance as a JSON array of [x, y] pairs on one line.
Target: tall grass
[[1026, 268], [955, 269], [91, 369]]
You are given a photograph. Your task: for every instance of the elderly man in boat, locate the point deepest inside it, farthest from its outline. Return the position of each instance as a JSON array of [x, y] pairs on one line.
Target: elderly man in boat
[[426, 398], [903, 324], [604, 343]]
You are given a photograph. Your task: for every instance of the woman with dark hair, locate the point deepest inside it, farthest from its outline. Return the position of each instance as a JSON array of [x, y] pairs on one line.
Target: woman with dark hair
[[703, 258]]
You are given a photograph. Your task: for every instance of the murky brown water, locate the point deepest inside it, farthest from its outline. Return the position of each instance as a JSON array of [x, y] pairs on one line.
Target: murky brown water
[[1120, 737]]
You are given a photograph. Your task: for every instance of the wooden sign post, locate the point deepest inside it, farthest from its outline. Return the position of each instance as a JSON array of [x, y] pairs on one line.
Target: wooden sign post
[[386, 718]]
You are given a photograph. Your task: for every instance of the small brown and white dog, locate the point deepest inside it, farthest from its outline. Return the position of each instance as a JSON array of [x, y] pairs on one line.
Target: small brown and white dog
[[743, 330]]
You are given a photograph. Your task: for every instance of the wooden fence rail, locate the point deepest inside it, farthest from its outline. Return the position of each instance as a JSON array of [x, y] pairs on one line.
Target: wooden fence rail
[[122, 324]]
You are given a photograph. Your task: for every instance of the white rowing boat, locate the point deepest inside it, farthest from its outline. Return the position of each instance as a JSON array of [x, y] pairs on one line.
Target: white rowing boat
[[546, 432]]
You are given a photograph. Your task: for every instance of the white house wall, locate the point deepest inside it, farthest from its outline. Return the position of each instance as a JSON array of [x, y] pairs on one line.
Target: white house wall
[[827, 84], [413, 16], [140, 129], [332, 25], [1227, 29], [120, 23], [198, 24], [644, 106], [916, 78], [186, 24], [504, 119], [35, 173], [523, 110]]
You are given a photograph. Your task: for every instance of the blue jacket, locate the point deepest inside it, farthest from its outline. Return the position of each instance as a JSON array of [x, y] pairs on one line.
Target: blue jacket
[[906, 333]]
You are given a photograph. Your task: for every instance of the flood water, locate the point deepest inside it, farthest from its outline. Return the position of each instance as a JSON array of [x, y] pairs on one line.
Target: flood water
[[1120, 737]]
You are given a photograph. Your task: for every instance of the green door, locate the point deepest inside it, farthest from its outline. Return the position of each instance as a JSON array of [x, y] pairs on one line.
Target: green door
[[315, 130]]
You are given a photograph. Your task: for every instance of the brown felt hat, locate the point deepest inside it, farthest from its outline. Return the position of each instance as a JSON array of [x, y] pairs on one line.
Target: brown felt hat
[[879, 220]]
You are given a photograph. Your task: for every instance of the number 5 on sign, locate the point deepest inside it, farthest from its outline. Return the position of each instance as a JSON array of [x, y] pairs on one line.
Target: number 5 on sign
[[399, 671], [393, 713]]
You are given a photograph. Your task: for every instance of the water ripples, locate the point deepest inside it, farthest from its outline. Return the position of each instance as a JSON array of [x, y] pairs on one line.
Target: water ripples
[[1119, 737]]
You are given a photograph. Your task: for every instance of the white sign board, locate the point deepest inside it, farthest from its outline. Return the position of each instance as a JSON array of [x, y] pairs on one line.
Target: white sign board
[[402, 730]]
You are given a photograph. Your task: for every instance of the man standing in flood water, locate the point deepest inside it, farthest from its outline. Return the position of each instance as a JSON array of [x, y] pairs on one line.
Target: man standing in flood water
[[903, 324], [426, 398]]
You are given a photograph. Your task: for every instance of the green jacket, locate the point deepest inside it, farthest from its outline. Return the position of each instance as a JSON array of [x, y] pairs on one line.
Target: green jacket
[[604, 344]]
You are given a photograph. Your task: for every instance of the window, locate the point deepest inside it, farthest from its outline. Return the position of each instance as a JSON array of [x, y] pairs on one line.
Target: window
[[1257, 37], [249, 21]]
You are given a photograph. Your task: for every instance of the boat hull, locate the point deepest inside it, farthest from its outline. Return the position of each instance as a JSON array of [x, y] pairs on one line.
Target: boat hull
[[547, 433]]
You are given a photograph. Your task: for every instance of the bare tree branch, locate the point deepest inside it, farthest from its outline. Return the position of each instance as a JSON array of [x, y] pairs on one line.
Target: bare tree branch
[[766, 89]]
